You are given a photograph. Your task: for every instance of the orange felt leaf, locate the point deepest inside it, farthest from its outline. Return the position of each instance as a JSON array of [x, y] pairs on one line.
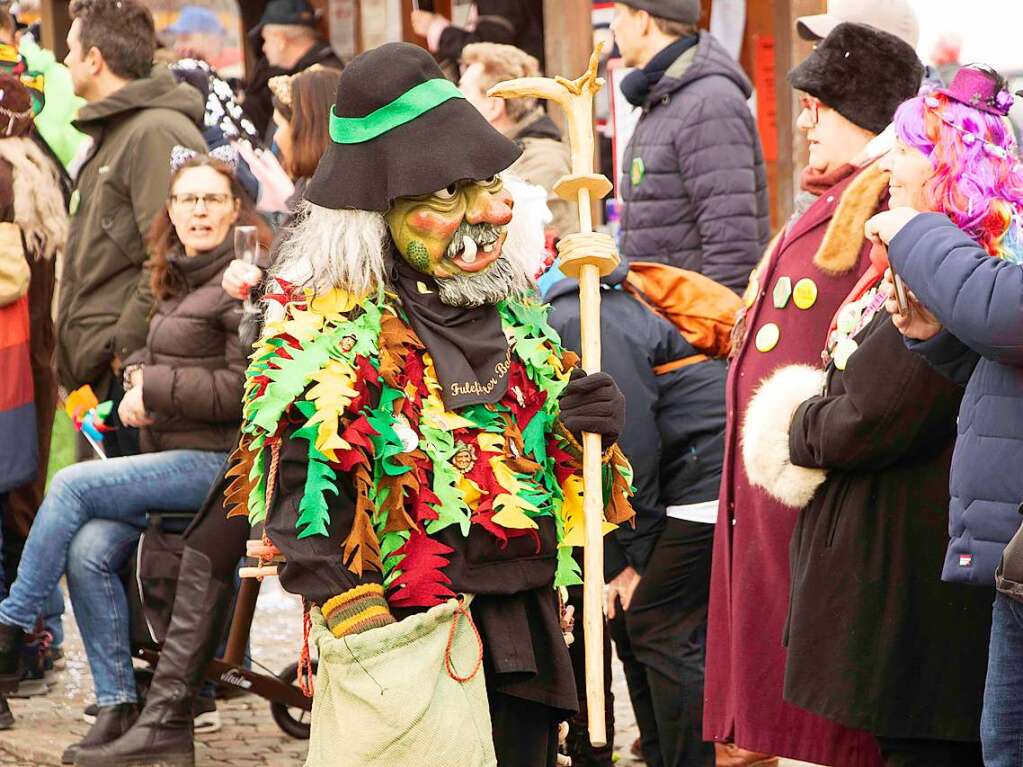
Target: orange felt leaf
[[361, 548], [236, 496], [619, 510], [395, 339], [394, 506]]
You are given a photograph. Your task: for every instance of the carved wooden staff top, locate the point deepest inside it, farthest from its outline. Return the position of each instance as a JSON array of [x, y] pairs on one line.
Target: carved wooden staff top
[[588, 260]]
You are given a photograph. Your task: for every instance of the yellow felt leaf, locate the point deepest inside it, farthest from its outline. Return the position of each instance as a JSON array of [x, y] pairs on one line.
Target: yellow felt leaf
[[302, 325], [505, 477], [573, 514], [512, 514], [471, 491], [491, 443], [434, 412], [334, 304]]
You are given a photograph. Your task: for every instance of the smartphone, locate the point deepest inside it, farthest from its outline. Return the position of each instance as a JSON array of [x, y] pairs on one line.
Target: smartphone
[[901, 294]]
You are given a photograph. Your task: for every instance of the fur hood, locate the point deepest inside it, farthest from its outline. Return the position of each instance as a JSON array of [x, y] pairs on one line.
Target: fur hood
[[765, 435], [38, 203]]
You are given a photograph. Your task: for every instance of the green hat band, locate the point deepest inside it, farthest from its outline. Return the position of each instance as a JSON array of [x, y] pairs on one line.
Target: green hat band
[[407, 107]]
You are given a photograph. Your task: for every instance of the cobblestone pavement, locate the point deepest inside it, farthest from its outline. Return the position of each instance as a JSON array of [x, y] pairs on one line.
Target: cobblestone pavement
[[46, 725]]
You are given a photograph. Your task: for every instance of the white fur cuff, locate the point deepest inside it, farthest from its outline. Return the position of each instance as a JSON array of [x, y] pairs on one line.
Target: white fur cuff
[[765, 435]]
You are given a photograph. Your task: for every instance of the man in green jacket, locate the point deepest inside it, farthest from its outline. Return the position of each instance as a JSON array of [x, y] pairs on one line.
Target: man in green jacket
[[136, 113]]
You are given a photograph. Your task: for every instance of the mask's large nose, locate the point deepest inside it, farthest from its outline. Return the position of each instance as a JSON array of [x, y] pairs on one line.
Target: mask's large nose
[[485, 206]]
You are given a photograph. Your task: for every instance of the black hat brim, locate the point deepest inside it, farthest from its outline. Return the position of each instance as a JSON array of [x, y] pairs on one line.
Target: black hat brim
[[450, 143]]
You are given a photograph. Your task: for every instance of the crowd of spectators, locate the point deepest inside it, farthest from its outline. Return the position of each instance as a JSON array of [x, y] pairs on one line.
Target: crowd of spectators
[[788, 510]]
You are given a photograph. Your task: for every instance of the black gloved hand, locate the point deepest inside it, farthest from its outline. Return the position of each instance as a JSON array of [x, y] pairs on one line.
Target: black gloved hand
[[595, 404]]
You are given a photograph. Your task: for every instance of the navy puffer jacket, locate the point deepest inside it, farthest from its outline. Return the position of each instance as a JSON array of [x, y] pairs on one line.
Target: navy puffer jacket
[[979, 301], [675, 430], [693, 177]]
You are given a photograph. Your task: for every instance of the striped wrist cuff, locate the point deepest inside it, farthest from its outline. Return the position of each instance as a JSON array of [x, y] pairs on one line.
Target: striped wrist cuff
[[357, 610]]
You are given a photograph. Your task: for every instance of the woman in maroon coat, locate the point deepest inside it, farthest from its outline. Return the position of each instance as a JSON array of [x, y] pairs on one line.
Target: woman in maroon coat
[[853, 82]]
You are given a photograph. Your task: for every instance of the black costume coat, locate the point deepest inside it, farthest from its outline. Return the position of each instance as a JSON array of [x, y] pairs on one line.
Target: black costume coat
[[875, 639]]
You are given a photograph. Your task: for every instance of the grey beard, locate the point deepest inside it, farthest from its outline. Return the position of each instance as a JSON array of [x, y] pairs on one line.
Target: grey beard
[[502, 279]]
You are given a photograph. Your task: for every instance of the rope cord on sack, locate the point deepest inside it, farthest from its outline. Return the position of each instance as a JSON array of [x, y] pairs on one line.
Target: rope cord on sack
[[460, 611]]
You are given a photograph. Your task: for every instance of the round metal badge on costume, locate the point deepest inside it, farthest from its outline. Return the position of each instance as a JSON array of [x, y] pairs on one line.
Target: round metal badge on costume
[[768, 337], [804, 295]]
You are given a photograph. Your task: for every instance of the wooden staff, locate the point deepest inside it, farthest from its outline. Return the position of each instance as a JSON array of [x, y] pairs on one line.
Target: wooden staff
[[588, 265]]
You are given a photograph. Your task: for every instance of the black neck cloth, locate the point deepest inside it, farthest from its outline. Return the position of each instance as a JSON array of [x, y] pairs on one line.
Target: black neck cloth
[[468, 346]]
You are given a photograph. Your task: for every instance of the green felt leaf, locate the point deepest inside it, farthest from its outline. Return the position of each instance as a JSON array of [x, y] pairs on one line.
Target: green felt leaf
[[313, 509], [257, 496], [452, 509], [534, 437], [568, 572]]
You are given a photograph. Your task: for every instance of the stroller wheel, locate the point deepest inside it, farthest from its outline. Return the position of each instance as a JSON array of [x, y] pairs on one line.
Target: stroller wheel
[[294, 721]]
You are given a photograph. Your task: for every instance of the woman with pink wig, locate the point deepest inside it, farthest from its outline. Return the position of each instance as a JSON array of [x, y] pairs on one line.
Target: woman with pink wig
[[955, 244], [876, 639]]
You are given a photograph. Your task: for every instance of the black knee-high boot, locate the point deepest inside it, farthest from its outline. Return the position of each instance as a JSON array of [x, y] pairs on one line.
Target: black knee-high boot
[[162, 736]]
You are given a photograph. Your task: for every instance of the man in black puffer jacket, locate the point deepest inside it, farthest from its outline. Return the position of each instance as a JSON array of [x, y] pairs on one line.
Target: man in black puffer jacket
[[693, 176], [658, 571]]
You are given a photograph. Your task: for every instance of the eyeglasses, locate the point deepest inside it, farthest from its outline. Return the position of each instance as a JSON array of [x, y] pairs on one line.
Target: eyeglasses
[[812, 105], [209, 201]]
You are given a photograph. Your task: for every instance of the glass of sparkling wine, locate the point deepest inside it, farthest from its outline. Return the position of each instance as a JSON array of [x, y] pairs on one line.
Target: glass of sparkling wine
[[246, 248]]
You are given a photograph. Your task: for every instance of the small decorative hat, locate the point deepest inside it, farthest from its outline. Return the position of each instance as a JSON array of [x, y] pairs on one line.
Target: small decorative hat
[[16, 107], [399, 128], [980, 87], [862, 73]]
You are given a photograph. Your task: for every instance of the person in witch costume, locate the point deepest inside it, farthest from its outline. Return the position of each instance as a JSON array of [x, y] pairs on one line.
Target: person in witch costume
[[426, 352], [412, 422]]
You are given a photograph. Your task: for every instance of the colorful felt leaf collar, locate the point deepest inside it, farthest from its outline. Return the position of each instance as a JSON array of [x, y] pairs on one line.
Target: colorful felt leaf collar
[[362, 386]]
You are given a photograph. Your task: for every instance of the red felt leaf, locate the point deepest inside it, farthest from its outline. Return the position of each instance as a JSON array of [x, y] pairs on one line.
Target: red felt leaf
[[422, 582]]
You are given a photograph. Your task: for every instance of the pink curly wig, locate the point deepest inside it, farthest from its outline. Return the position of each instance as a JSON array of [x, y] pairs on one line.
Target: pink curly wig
[[977, 182]]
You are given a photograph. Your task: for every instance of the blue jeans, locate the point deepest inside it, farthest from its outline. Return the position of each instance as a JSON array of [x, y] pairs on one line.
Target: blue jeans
[[103, 503], [53, 611], [1001, 726]]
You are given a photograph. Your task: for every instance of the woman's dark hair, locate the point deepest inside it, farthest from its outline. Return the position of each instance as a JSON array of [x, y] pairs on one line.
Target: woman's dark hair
[[163, 238], [312, 95]]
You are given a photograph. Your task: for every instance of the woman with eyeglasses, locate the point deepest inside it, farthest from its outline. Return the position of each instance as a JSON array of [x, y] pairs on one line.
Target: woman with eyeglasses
[[184, 392], [851, 85]]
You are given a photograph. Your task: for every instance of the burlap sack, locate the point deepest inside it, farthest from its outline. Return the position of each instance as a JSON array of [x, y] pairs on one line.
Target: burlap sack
[[391, 697]]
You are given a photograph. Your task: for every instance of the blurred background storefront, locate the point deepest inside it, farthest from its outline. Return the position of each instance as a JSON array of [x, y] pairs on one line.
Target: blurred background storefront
[[760, 33]]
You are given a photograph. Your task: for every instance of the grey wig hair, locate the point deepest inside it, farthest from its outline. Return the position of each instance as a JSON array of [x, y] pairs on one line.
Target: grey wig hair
[[325, 249]]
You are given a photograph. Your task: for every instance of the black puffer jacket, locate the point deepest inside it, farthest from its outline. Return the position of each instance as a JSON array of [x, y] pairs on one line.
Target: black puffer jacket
[[194, 364], [674, 432], [693, 176]]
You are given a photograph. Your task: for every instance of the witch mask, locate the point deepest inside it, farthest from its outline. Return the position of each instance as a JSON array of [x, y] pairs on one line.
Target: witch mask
[[455, 232]]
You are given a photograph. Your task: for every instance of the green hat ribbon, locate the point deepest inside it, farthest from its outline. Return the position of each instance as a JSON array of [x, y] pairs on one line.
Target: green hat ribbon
[[413, 103]]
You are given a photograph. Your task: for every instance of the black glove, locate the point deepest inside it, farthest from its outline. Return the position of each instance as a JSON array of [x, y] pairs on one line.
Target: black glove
[[595, 404]]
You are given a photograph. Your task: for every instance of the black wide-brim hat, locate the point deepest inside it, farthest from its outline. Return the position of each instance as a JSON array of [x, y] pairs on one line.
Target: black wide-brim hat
[[399, 128], [862, 73]]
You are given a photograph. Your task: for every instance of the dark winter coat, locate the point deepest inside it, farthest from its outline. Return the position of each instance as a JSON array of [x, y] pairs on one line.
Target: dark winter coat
[[194, 363], [674, 432], [875, 639], [750, 578], [979, 300], [105, 299], [258, 101], [693, 175], [512, 22]]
